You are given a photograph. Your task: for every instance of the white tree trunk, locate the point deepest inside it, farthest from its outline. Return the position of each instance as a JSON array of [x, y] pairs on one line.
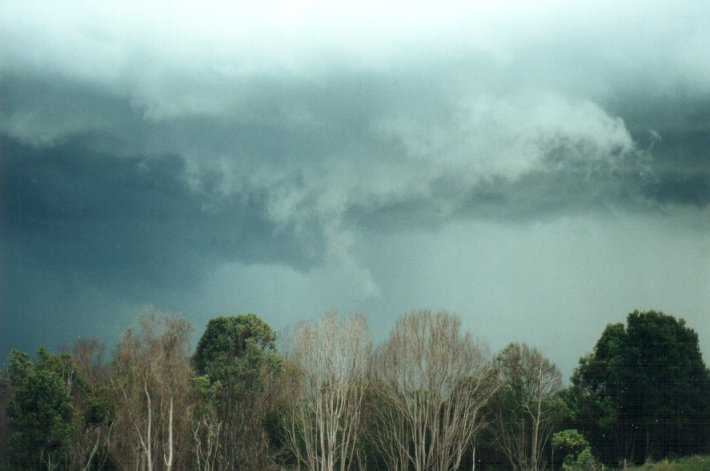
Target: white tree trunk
[[331, 360], [169, 459]]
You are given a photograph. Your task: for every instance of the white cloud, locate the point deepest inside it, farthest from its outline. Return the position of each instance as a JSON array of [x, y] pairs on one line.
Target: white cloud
[[509, 136], [131, 44]]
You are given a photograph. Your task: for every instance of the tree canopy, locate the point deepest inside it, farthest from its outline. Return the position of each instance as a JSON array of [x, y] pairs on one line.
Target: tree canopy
[[234, 349], [643, 392], [429, 397], [40, 413], [235, 361]]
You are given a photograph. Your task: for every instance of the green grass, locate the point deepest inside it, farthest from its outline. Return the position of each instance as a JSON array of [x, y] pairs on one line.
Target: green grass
[[691, 463]]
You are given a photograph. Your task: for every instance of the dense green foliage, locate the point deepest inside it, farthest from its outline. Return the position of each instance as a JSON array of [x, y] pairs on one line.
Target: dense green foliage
[[235, 362], [235, 350], [40, 412], [645, 391], [690, 463], [575, 449]]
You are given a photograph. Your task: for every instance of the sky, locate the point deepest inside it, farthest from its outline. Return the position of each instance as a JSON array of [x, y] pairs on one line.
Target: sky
[[540, 168]]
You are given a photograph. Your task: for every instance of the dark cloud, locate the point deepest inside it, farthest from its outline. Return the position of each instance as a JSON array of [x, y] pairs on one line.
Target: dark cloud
[[126, 213], [674, 130], [680, 189]]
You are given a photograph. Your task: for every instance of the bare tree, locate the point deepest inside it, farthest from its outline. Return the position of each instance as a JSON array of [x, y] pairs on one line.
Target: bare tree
[[388, 428], [330, 360], [434, 383], [152, 387], [526, 405]]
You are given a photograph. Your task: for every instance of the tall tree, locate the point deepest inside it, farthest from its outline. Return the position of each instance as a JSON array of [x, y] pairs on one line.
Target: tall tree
[[93, 403], [434, 383], [41, 410], [526, 407], [330, 358], [643, 392], [237, 363], [152, 386]]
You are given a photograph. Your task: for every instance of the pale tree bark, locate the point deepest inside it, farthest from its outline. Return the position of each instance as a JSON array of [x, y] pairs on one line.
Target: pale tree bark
[[330, 361], [169, 458], [152, 380], [95, 451], [147, 443], [206, 435], [434, 382], [525, 407]]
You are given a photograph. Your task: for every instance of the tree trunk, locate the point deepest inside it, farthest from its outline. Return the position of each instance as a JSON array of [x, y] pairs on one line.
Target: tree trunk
[[169, 459], [536, 426], [148, 445]]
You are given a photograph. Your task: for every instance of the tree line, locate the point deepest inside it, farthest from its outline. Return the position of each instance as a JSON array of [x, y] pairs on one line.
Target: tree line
[[430, 397]]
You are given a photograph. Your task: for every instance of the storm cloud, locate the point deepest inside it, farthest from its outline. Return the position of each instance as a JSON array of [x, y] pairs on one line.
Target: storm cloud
[[540, 169]]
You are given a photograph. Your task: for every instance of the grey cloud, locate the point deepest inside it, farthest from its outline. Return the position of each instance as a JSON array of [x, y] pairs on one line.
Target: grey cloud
[[310, 162], [675, 130], [680, 190], [140, 157], [127, 219]]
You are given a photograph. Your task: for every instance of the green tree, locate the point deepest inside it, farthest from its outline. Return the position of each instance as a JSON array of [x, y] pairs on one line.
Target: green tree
[[40, 410], [236, 361], [575, 448], [643, 392]]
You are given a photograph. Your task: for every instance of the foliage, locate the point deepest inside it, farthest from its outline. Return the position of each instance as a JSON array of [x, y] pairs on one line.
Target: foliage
[[690, 463], [576, 450], [428, 398], [5, 394], [40, 411], [643, 392], [235, 350], [236, 365], [94, 409]]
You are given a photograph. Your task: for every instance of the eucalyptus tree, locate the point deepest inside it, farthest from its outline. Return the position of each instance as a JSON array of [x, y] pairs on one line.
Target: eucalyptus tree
[[434, 382], [527, 406], [151, 383], [329, 360]]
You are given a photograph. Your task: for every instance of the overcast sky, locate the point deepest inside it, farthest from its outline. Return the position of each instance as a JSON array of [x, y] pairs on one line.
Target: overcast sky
[[540, 168]]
